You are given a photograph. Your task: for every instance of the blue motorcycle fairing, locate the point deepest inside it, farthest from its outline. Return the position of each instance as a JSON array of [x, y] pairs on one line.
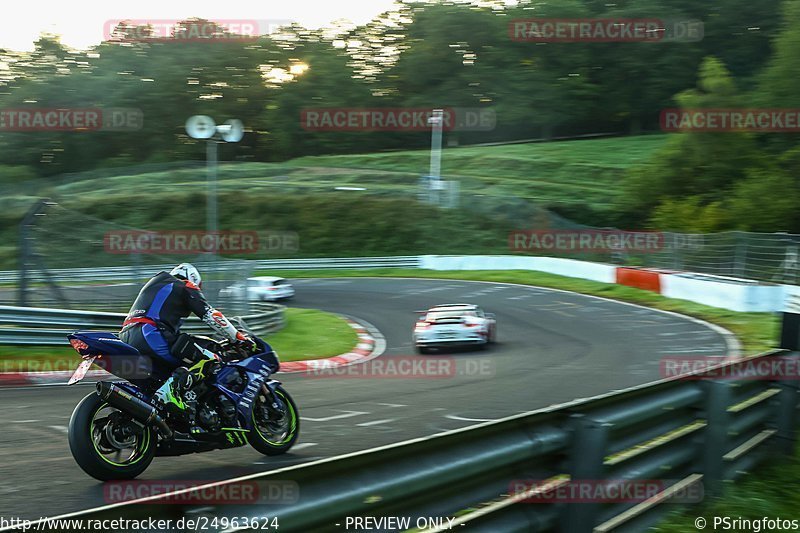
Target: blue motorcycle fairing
[[102, 343], [119, 358], [257, 369]]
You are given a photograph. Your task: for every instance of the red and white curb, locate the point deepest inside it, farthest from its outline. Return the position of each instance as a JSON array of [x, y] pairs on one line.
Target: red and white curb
[[371, 344]]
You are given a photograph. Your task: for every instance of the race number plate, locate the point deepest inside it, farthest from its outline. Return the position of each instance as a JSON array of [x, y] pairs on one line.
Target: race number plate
[[80, 372]]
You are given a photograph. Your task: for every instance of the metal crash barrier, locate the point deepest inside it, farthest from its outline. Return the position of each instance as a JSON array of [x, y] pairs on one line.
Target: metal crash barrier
[[49, 327]]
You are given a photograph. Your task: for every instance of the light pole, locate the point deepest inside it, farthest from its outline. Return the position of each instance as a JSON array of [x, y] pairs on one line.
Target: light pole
[[203, 127], [436, 122], [211, 182]]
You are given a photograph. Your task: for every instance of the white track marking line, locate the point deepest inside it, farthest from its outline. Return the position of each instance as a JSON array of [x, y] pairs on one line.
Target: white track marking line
[[24, 421], [347, 414], [392, 404], [62, 429], [303, 445], [465, 419], [376, 422]]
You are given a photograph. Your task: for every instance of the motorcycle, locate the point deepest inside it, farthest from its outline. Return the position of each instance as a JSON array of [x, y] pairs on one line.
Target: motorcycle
[[116, 431]]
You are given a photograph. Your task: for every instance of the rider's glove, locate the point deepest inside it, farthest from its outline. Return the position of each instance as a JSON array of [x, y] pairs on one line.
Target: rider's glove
[[244, 341]]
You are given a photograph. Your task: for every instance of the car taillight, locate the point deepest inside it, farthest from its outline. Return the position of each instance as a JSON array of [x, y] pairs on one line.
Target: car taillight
[[472, 324], [423, 325]]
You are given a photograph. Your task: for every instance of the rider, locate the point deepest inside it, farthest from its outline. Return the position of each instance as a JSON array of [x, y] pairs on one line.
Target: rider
[[153, 326]]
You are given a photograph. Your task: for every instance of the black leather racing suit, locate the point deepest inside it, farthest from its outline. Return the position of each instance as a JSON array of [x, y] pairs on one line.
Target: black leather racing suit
[[153, 323]]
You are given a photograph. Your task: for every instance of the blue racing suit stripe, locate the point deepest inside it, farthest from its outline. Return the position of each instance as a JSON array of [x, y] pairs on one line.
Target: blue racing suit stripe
[[158, 344], [154, 312]]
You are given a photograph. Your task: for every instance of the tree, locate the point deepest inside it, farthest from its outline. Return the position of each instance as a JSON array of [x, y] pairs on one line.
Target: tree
[[704, 166]]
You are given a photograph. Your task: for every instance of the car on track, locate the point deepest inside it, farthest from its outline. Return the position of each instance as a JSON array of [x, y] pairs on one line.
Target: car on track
[[454, 325], [260, 288]]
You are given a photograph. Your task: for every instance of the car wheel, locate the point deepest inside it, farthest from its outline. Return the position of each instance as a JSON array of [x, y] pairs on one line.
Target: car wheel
[[422, 350]]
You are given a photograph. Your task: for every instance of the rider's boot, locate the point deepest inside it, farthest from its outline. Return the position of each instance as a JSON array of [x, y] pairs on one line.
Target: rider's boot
[[207, 365], [173, 390]]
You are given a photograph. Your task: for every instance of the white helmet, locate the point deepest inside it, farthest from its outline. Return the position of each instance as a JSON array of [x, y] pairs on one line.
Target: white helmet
[[188, 272]]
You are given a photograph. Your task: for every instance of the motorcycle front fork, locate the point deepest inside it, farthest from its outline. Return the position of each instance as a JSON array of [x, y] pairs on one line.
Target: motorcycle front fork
[[274, 405]]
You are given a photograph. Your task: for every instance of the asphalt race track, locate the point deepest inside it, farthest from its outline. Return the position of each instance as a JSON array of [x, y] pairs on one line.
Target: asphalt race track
[[552, 347]]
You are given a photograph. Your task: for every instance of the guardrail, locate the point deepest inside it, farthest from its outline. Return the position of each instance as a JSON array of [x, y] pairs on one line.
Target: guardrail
[[126, 273], [682, 432], [49, 327]]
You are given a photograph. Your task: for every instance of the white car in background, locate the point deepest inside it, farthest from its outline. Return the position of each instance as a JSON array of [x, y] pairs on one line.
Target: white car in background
[[261, 289], [454, 325]]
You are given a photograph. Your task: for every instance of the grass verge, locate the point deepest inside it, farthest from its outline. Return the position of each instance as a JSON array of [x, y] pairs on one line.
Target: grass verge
[[309, 334], [371, 198], [771, 492], [312, 334]]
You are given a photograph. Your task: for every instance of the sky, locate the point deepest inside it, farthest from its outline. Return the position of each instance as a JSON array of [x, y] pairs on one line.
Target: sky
[[81, 23]]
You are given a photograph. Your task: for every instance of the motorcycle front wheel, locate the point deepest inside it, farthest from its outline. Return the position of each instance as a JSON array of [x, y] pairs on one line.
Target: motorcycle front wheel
[[274, 432]]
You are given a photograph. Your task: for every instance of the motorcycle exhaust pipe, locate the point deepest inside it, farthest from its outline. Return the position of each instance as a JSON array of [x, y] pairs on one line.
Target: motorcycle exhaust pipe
[[141, 411]]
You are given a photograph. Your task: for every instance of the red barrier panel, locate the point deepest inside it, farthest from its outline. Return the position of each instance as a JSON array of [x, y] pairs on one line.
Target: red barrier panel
[[639, 278]]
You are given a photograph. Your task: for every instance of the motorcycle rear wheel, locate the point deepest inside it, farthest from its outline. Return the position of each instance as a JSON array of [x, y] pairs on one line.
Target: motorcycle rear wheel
[[94, 445]]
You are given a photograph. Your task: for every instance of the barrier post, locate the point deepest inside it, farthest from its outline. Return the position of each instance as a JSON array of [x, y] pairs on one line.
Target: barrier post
[[588, 452], [786, 414], [790, 331], [715, 442], [26, 250]]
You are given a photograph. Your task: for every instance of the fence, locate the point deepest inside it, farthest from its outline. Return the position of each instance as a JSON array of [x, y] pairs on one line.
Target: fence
[[52, 236], [771, 257], [49, 327], [133, 273], [682, 433], [758, 256], [762, 256], [129, 273]]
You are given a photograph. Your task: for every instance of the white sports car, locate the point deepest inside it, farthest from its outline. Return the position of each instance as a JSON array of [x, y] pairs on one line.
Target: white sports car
[[454, 325], [260, 288]]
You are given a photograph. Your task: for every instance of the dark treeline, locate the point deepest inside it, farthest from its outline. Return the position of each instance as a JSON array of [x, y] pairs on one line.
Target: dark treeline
[[447, 54]]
